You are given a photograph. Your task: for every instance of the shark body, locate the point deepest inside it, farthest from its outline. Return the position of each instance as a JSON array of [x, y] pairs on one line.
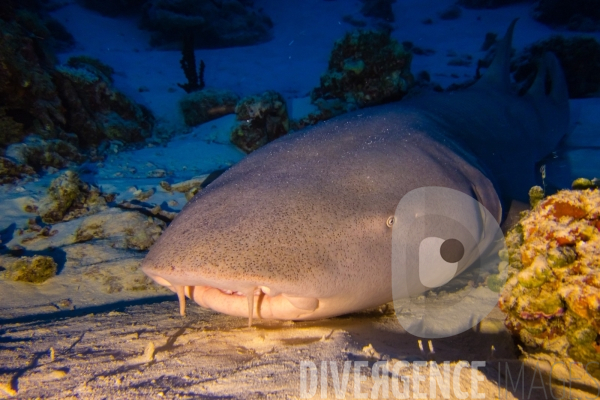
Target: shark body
[[300, 228]]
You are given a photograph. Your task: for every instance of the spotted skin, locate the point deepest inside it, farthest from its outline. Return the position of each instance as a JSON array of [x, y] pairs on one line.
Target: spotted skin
[[298, 229]]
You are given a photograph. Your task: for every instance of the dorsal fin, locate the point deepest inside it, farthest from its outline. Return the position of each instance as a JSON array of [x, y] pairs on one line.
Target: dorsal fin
[[498, 74]]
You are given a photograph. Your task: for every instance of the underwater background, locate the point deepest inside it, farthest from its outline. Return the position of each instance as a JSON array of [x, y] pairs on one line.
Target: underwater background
[[115, 113]]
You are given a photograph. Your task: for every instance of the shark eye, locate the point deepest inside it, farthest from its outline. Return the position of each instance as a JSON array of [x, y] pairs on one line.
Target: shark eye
[[390, 221]]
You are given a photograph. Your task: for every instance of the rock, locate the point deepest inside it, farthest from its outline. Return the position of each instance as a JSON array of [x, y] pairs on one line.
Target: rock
[[28, 97], [69, 197], [365, 68], [69, 108], [263, 118], [97, 111], [10, 171], [40, 154], [208, 104], [121, 229], [36, 269], [213, 24]]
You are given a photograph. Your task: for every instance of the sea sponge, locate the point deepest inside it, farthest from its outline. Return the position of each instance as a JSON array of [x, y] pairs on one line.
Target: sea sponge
[[36, 269], [552, 296]]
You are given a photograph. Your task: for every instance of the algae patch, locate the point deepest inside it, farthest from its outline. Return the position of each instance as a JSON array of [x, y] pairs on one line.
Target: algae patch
[[36, 269]]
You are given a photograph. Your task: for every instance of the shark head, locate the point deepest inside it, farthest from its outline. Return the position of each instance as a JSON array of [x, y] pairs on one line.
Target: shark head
[[302, 228]]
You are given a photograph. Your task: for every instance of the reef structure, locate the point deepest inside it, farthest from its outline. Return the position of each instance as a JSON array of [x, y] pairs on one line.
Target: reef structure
[[552, 295], [261, 119], [365, 68], [51, 115]]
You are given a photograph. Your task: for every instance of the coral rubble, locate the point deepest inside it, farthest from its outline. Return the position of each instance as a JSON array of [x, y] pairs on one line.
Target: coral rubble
[[263, 118], [552, 295]]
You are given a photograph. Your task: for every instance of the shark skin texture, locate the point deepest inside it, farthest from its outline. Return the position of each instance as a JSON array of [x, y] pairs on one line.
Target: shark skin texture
[[300, 229]]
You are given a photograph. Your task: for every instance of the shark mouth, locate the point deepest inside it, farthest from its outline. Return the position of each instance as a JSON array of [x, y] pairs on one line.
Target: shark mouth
[[257, 302]]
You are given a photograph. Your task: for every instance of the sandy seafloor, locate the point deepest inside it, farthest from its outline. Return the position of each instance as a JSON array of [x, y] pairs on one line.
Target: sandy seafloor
[[86, 334]]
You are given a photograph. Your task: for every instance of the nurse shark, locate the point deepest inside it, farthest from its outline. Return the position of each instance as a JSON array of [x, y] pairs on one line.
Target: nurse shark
[[301, 228]]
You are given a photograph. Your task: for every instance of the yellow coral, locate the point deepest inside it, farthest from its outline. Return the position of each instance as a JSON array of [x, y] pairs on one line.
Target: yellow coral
[[553, 289]]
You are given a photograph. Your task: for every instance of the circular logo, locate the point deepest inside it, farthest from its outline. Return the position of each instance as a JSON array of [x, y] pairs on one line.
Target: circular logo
[[444, 245]]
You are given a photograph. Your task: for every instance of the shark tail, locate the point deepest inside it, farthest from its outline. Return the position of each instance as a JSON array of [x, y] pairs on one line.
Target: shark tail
[[547, 94]]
